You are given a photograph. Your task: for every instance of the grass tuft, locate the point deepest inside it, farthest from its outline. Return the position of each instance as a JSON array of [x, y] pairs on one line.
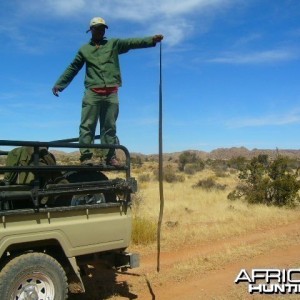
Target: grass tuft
[[143, 231]]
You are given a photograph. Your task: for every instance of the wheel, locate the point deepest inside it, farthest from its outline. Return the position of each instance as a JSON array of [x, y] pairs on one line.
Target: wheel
[[88, 199], [84, 176], [33, 276]]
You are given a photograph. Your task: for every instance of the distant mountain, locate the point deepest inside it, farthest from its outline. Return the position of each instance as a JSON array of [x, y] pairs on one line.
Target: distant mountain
[[220, 153], [227, 153]]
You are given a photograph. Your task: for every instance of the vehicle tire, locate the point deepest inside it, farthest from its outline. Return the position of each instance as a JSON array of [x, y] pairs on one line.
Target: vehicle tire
[[86, 176], [34, 276]]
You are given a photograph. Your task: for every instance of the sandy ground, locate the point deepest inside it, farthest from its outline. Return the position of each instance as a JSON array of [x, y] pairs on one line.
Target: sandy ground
[[218, 283]]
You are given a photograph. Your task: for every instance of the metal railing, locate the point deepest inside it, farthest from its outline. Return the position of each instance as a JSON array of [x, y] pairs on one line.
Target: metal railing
[[36, 192]]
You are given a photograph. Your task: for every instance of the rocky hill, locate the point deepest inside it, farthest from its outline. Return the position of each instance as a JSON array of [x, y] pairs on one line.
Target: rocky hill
[[227, 153], [220, 153]]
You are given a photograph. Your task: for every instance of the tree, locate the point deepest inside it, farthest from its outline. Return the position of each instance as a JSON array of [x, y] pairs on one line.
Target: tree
[[190, 159]]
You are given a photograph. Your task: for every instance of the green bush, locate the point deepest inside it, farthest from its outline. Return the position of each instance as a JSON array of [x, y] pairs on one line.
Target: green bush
[[169, 175], [192, 168], [136, 161], [188, 157], [218, 165], [209, 184], [238, 162], [270, 183], [144, 178]]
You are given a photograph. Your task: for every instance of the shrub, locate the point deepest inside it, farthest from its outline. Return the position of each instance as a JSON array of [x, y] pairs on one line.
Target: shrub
[[192, 168], [188, 157], [169, 175], [238, 162], [189, 169], [270, 183], [136, 161], [144, 177], [220, 173], [218, 165], [209, 184]]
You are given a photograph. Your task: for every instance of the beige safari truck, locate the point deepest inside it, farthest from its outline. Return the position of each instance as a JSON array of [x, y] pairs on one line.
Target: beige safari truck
[[55, 218]]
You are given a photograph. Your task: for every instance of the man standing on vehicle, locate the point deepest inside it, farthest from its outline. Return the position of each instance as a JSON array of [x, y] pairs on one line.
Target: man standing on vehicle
[[102, 80]]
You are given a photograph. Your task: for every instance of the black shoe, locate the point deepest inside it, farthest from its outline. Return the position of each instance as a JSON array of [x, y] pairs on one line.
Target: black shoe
[[88, 162], [113, 162]]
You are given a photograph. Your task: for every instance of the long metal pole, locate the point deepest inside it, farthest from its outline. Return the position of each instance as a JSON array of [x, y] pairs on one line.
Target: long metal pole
[[160, 161]]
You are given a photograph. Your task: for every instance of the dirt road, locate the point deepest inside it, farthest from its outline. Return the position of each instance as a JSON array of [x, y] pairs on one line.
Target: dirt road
[[213, 281]]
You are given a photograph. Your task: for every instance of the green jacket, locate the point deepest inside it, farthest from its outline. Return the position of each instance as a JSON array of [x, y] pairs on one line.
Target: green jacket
[[102, 62]]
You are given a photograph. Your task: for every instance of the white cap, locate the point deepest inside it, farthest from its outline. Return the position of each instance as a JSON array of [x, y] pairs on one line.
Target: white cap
[[98, 21]]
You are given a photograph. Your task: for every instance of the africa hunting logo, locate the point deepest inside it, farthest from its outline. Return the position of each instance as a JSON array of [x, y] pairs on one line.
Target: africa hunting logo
[[270, 281]]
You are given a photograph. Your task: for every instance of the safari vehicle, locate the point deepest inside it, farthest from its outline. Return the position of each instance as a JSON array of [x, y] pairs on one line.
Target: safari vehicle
[[56, 218]]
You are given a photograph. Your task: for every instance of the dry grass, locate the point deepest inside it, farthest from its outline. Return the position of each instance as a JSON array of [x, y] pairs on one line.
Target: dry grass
[[194, 218], [194, 215]]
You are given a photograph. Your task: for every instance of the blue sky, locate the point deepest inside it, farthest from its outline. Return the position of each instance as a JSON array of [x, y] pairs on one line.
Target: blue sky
[[231, 71]]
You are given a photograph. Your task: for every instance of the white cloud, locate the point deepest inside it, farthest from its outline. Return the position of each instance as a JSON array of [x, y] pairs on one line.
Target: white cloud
[[174, 33], [8, 95], [267, 56], [174, 18], [271, 120], [248, 39], [178, 7], [55, 7], [135, 10], [67, 7]]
